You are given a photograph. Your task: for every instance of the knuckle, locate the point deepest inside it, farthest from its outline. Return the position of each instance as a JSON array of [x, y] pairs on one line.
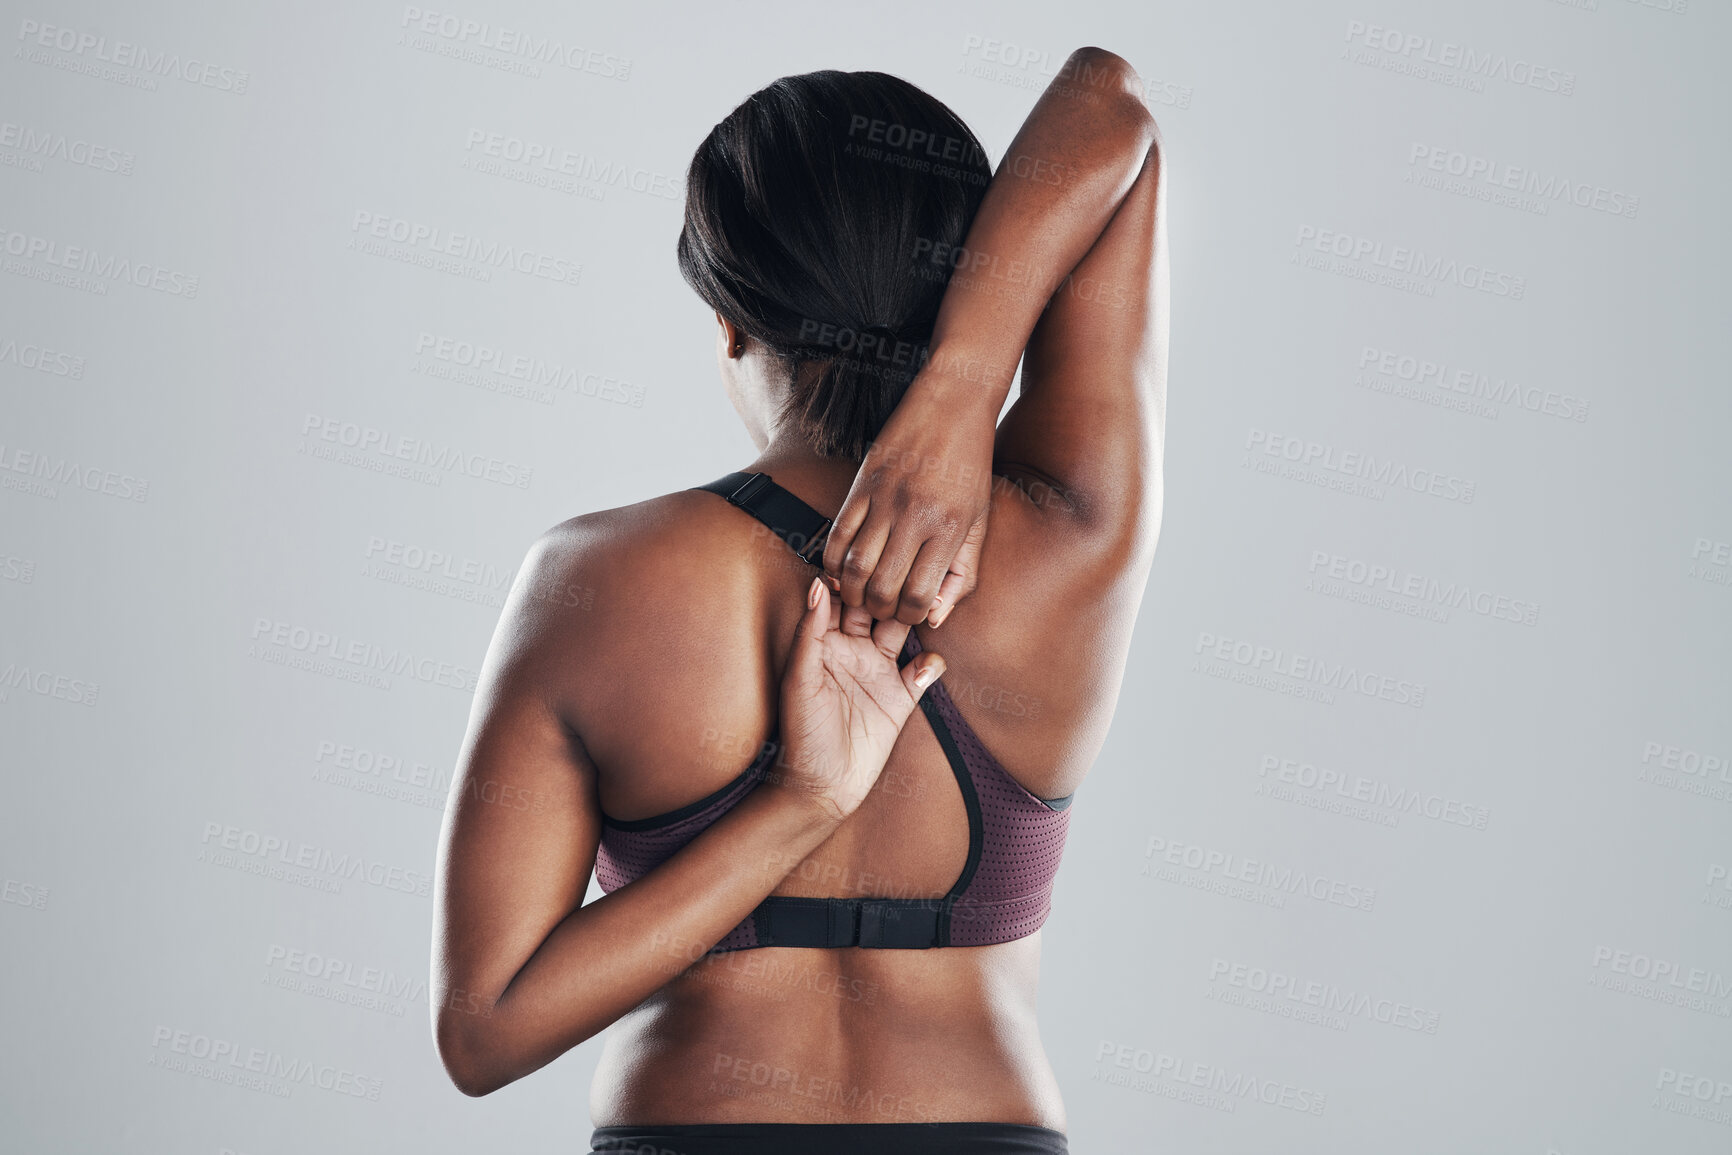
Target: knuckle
[[880, 592]]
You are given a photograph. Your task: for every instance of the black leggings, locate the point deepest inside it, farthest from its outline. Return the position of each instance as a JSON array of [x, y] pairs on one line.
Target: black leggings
[[830, 1139]]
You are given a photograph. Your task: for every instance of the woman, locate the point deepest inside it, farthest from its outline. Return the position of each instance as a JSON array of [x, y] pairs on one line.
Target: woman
[[821, 925]]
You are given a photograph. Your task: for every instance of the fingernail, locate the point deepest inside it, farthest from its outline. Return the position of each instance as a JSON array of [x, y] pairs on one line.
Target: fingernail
[[812, 594], [942, 614], [924, 678]]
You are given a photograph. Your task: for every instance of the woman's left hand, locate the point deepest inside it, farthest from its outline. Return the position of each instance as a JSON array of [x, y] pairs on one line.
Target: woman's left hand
[[844, 700]]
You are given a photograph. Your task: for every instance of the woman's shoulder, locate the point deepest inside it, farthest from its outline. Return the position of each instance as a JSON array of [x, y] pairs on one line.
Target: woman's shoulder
[[655, 556], [641, 612]]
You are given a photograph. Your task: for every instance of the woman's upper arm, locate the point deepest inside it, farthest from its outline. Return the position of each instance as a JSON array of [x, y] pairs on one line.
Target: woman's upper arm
[[522, 823], [1090, 417]]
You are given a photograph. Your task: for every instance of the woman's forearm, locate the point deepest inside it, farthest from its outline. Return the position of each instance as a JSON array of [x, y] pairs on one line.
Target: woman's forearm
[[1061, 181], [606, 958]]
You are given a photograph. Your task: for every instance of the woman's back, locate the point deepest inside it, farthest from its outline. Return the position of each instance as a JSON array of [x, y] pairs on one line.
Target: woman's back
[[639, 671], [689, 607]]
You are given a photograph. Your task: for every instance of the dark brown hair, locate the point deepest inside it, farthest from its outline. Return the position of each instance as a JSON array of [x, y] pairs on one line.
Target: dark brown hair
[[809, 210]]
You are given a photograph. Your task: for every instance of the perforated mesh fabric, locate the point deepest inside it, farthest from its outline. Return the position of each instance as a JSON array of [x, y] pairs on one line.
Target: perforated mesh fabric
[[1022, 840], [628, 852]]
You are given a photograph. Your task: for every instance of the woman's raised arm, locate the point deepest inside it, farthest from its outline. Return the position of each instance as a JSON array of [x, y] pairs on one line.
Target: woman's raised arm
[[1067, 238]]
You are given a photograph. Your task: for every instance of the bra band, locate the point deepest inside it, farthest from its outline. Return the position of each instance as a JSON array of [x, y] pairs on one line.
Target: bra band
[[802, 527], [907, 923]]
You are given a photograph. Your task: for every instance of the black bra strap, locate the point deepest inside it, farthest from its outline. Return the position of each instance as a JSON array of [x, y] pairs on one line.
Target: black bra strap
[[802, 527]]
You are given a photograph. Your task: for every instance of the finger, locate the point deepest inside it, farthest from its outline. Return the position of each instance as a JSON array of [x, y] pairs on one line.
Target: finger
[[884, 590], [921, 673], [818, 618], [856, 622], [888, 635], [806, 658], [862, 557], [848, 521], [922, 586], [963, 576]]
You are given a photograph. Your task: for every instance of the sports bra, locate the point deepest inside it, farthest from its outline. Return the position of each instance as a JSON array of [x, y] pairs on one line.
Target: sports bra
[[1014, 838]]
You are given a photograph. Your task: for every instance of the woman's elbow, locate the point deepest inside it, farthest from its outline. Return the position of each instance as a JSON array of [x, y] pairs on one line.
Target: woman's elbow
[[464, 1056]]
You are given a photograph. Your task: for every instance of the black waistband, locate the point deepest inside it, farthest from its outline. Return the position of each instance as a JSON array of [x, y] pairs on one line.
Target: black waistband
[[830, 1138], [802, 527]]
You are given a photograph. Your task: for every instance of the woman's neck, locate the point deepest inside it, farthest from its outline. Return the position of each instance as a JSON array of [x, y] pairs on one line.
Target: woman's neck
[[821, 482]]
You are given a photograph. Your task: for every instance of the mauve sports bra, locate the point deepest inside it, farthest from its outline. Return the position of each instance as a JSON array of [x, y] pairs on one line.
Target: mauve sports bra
[[1014, 838]]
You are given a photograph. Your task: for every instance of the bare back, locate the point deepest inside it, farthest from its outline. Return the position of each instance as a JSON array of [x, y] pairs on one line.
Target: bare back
[[636, 670], [671, 706]]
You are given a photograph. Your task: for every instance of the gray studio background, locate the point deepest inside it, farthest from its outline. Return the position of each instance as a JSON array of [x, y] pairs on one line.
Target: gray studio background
[[1479, 247]]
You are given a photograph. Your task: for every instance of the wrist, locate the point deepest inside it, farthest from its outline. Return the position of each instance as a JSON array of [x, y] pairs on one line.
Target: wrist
[[805, 817], [964, 379]]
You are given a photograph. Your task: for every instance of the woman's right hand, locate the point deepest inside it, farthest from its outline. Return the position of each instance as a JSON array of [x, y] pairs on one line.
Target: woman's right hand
[[906, 543], [844, 701]]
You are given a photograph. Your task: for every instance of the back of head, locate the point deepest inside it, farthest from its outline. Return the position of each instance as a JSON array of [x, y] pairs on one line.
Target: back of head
[[813, 214]]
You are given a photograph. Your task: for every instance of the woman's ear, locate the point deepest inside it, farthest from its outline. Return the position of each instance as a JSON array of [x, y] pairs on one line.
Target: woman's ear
[[733, 340]]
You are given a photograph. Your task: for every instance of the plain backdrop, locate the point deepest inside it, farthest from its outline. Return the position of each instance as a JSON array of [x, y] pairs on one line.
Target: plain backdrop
[[1413, 829]]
